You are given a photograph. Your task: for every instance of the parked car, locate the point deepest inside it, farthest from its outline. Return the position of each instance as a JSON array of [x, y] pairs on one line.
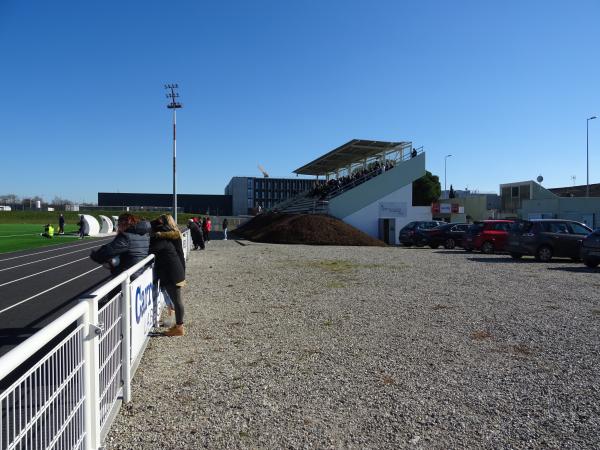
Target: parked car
[[546, 238], [408, 234], [488, 236], [449, 235], [590, 249]]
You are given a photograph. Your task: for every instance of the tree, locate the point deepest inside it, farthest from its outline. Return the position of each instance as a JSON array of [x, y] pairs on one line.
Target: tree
[[451, 194], [426, 190]]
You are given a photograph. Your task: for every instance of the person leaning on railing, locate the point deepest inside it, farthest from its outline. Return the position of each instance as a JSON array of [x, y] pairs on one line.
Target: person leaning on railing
[[169, 266], [129, 247]]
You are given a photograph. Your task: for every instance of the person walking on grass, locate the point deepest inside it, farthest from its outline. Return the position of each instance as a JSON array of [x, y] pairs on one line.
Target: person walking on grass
[[169, 266], [83, 227], [61, 224], [225, 224]]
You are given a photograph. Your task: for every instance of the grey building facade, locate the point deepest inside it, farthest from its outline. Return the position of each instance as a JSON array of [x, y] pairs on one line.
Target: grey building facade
[[188, 203], [248, 193]]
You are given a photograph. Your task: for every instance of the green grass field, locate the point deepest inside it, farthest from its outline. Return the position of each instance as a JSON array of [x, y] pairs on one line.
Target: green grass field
[[15, 237]]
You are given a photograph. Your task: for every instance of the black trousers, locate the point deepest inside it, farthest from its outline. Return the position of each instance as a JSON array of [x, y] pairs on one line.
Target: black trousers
[[175, 294]]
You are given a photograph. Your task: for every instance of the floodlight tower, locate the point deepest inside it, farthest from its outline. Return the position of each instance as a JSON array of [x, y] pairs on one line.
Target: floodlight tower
[[174, 105]]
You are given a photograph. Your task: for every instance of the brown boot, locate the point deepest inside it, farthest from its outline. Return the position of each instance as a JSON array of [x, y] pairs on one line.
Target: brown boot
[[176, 330]]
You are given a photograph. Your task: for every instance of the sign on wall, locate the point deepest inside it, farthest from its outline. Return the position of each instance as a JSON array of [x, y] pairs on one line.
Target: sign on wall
[[447, 208], [141, 296], [392, 209]]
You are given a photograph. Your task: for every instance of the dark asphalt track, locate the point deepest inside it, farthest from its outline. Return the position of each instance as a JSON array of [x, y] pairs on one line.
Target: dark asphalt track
[[36, 286]]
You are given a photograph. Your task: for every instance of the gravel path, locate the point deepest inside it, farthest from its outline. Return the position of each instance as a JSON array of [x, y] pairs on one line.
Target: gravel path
[[361, 347]]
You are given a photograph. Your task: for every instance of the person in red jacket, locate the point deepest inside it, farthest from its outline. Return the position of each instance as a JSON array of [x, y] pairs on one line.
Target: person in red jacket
[[206, 226]]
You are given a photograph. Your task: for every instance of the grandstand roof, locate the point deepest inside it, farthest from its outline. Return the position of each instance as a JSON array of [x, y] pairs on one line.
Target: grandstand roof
[[351, 152]]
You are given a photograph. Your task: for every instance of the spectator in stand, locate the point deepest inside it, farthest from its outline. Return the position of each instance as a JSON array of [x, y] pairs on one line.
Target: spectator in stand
[[413, 153], [61, 224], [196, 233], [225, 224], [129, 246], [169, 267]]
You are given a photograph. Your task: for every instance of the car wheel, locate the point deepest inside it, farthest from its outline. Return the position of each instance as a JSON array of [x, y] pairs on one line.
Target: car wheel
[[514, 255], [487, 247], [449, 244], [591, 263], [544, 254]]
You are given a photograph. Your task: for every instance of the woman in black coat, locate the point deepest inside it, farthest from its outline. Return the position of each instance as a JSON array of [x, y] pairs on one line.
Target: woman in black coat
[[196, 233], [169, 265]]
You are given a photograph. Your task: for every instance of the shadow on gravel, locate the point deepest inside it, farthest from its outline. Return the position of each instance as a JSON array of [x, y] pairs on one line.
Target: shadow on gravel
[[495, 259], [575, 269]]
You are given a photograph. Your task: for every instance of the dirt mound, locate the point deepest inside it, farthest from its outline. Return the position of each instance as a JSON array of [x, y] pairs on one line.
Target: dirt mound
[[312, 229]]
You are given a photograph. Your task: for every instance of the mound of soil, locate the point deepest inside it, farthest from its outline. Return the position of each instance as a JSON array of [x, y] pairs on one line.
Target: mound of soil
[[312, 229]]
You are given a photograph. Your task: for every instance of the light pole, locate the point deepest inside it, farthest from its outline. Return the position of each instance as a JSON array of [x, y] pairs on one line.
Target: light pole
[[174, 105], [587, 154], [445, 159]]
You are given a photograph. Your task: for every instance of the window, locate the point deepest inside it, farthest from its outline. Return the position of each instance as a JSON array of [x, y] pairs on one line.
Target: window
[[555, 227], [579, 229], [249, 183], [250, 203], [502, 226], [514, 192]]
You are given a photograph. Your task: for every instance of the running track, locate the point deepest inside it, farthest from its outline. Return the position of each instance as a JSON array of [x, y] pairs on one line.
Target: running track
[[38, 285]]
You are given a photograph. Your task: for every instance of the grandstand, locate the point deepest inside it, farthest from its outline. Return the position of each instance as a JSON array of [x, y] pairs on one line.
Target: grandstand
[[368, 184]]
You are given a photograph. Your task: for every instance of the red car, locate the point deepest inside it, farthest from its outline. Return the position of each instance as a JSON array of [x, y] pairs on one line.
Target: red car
[[488, 236]]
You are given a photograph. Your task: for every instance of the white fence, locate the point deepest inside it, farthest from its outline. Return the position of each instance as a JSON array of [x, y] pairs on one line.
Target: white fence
[[67, 397]]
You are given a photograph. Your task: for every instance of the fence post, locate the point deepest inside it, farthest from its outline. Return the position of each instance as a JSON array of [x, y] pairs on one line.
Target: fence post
[[126, 332], [91, 373]]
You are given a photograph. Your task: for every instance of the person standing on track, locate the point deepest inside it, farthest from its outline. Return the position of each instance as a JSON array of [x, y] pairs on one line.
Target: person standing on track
[[129, 246], [169, 266]]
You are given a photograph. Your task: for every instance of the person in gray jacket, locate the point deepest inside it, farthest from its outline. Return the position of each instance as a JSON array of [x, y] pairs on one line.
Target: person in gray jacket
[[129, 246]]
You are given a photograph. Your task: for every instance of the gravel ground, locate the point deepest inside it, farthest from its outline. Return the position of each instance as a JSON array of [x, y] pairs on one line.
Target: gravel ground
[[363, 347]]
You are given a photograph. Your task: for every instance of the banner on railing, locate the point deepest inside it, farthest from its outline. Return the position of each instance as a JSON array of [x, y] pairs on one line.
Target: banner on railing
[[142, 299]]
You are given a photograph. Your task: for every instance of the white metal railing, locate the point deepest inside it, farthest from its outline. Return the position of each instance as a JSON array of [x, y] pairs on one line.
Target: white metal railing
[[65, 394]]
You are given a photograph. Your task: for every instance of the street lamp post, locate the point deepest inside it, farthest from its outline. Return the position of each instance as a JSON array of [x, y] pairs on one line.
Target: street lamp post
[[587, 154], [174, 105], [445, 159]]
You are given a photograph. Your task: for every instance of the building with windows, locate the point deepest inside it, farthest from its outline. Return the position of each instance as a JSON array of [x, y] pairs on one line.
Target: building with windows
[[249, 194], [219, 205], [530, 200]]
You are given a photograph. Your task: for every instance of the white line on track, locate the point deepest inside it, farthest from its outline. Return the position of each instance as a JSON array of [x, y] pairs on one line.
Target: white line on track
[[48, 290], [94, 243], [43, 271], [45, 259], [19, 235]]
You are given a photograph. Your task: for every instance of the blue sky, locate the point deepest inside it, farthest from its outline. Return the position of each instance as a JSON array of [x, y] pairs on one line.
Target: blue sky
[[503, 86]]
